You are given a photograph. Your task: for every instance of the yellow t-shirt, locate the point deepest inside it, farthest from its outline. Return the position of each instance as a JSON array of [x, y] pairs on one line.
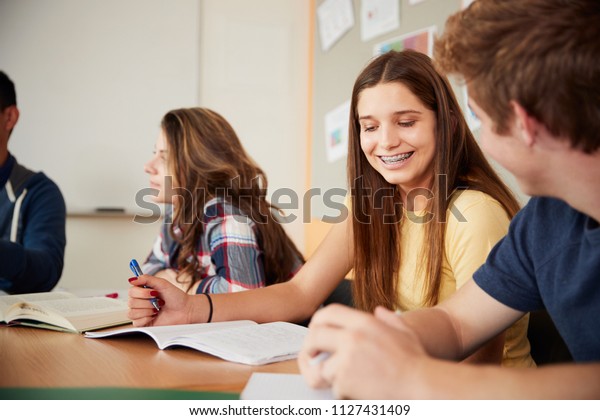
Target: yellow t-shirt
[[467, 244]]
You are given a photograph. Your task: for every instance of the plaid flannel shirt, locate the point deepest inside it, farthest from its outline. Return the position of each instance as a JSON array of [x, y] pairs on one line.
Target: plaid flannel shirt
[[229, 254]]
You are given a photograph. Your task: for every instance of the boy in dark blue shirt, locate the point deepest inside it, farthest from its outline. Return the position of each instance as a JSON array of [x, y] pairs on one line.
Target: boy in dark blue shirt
[[32, 215]]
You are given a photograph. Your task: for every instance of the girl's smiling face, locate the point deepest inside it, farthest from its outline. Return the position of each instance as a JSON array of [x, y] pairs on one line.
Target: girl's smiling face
[[397, 135]]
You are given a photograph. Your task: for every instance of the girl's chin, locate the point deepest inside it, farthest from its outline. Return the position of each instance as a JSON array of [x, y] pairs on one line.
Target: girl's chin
[[395, 180]]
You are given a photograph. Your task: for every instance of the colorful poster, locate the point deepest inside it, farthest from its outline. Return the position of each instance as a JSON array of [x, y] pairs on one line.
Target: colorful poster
[[421, 40]]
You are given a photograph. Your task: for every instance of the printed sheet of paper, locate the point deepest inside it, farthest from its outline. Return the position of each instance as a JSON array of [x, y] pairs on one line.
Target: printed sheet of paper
[[336, 132], [335, 18], [378, 17]]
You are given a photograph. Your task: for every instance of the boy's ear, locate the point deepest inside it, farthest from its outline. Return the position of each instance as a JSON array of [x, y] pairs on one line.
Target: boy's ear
[[525, 125], [12, 116]]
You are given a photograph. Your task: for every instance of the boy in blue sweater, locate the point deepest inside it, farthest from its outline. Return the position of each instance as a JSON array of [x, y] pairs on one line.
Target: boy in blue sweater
[[32, 215]]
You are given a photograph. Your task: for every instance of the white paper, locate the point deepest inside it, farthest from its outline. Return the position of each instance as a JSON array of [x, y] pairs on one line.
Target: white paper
[[335, 18], [282, 386], [411, 2], [378, 17], [472, 120], [466, 3], [336, 132]]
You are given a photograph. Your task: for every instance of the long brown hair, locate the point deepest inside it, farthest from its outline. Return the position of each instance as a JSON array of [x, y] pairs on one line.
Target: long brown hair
[[376, 204], [207, 160]]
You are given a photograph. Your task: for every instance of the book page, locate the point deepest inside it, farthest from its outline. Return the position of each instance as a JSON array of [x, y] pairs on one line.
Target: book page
[[163, 335], [9, 300], [82, 306], [255, 345], [237, 341], [76, 314]]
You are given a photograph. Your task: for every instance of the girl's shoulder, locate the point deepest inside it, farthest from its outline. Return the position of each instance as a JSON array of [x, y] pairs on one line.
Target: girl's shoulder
[[474, 219], [466, 200], [218, 209]]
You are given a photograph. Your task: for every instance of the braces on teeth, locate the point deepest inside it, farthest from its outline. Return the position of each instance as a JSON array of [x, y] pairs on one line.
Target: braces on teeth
[[398, 158]]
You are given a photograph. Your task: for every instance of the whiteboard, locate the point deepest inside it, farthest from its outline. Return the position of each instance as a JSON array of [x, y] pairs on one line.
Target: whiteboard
[[93, 79]]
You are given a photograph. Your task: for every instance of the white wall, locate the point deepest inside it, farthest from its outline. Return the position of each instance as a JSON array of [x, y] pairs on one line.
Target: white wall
[[99, 250], [94, 78], [254, 71]]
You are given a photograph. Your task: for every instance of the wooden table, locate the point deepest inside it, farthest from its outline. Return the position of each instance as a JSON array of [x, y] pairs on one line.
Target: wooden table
[[36, 358]]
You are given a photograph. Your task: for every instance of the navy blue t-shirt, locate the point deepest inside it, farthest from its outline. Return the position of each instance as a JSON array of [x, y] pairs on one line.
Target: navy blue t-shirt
[[550, 259]]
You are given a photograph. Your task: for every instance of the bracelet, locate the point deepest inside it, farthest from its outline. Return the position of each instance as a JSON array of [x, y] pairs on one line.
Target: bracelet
[[210, 304]]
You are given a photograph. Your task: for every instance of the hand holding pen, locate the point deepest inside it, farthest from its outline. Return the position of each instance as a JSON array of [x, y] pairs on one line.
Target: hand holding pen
[[135, 267], [324, 355]]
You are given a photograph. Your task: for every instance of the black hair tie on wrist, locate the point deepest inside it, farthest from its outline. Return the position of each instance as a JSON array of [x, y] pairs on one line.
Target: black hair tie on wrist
[[210, 304]]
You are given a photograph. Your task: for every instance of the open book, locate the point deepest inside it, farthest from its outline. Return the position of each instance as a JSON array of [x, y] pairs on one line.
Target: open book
[[62, 311], [236, 341]]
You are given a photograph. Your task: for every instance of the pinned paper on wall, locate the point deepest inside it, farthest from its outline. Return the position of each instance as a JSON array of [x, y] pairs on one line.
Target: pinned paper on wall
[[411, 2], [472, 120], [336, 132], [421, 40], [378, 17], [335, 18], [466, 3]]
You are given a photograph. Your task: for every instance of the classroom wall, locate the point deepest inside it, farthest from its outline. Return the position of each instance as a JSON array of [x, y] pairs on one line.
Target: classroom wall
[[94, 78], [335, 70], [252, 69], [255, 67]]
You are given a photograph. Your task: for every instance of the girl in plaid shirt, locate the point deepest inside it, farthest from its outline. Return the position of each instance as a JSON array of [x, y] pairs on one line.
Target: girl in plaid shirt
[[234, 242]]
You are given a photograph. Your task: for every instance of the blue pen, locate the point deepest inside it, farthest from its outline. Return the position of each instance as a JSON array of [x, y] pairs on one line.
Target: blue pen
[[135, 267]]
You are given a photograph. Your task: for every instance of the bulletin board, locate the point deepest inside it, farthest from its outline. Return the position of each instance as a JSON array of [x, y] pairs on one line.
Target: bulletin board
[[336, 68]]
